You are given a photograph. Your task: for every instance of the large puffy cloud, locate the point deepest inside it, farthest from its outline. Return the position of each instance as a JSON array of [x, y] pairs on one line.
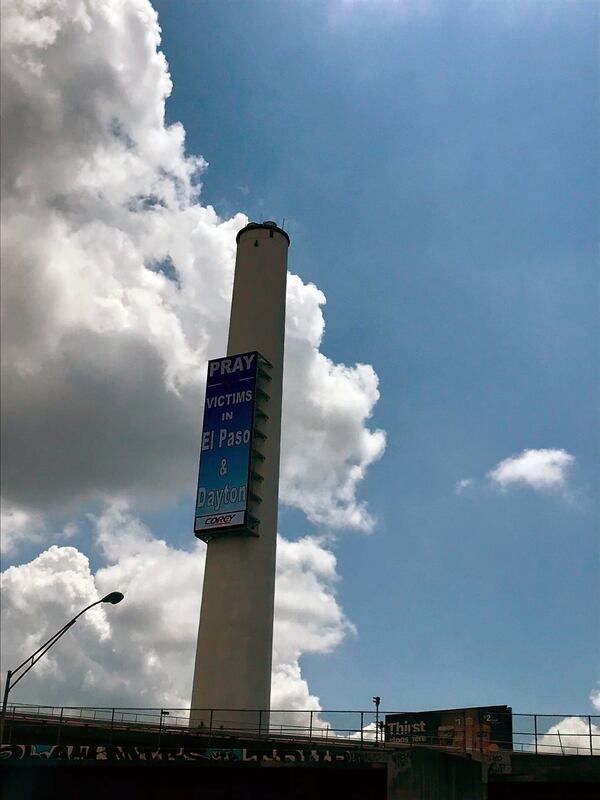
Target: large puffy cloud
[[141, 652], [326, 446], [17, 524], [117, 283], [571, 736], [37, 599], [308, 618], [545, 469]]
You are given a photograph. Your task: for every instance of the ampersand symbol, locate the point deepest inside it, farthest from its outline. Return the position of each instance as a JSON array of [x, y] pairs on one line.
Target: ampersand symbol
[[223, 469]]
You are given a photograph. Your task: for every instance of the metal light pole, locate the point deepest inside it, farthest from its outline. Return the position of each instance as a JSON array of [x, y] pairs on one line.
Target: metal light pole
[[377, 701], [113, 598], [163, 714]]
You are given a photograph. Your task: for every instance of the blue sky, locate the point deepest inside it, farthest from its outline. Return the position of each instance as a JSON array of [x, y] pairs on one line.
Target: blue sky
[[437, 168], [438, 172]]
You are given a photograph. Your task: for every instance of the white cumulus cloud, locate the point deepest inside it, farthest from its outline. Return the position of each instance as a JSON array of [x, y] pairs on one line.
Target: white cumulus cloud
[[16, 525], [571, 736], [463, 484], [545, 469], [141, 652], [38, 598], [19, 524], [117, 282]]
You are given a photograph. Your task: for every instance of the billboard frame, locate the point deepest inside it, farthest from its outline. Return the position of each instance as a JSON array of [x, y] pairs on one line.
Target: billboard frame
[[249, 524]]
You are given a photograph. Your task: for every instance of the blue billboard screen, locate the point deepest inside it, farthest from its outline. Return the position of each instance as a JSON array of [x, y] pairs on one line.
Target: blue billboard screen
[[226, 445]]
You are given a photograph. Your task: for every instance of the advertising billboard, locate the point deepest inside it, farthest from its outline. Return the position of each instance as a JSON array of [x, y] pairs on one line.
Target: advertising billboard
[[227, 443], [486, 728]]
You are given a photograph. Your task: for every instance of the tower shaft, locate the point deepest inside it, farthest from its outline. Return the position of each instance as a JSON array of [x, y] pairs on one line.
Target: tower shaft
[[235, 636]]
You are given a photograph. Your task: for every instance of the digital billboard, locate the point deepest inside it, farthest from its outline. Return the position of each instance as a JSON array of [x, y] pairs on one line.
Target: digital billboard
[[227, 443], [486, 728]]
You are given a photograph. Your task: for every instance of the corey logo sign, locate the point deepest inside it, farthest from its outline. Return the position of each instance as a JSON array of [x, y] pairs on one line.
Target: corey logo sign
[[224, 520]]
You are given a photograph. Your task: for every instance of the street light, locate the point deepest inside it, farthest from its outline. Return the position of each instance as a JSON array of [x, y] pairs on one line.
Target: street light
[[163, 714], [113, 598], [377, 701]]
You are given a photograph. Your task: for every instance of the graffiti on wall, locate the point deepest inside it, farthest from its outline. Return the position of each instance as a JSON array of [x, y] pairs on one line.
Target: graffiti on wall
[[151, 753]]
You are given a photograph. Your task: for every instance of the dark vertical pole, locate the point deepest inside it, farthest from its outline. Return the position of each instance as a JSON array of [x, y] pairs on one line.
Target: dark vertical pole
[[377, 701], [591, 738], [60, 719], [310, 728], [112, 725], [362, 727], [4, 704], [260, 722], [535, 731]]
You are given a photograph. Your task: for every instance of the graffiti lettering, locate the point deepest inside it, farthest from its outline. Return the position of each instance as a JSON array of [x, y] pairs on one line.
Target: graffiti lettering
[[149, 753]]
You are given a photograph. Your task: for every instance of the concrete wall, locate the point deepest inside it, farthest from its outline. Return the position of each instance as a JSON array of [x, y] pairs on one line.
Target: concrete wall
[[527, 776], [421, 774]]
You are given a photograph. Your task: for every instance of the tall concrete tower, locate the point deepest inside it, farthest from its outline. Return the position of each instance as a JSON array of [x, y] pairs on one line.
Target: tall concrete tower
[[235, 636]]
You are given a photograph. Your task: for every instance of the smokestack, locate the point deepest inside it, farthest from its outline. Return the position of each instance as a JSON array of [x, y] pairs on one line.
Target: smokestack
[[240, 459]]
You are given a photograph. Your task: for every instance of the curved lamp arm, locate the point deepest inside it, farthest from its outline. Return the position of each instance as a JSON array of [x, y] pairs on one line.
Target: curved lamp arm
[[113, 598]]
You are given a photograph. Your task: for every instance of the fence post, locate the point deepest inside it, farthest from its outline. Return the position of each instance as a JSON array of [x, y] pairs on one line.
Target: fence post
[[310, 728], [12, 727], [464, 726], [362, 728], [591, 738], [112, 725], [210, 723], [535, 732], [260, 722], [59, 726]]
